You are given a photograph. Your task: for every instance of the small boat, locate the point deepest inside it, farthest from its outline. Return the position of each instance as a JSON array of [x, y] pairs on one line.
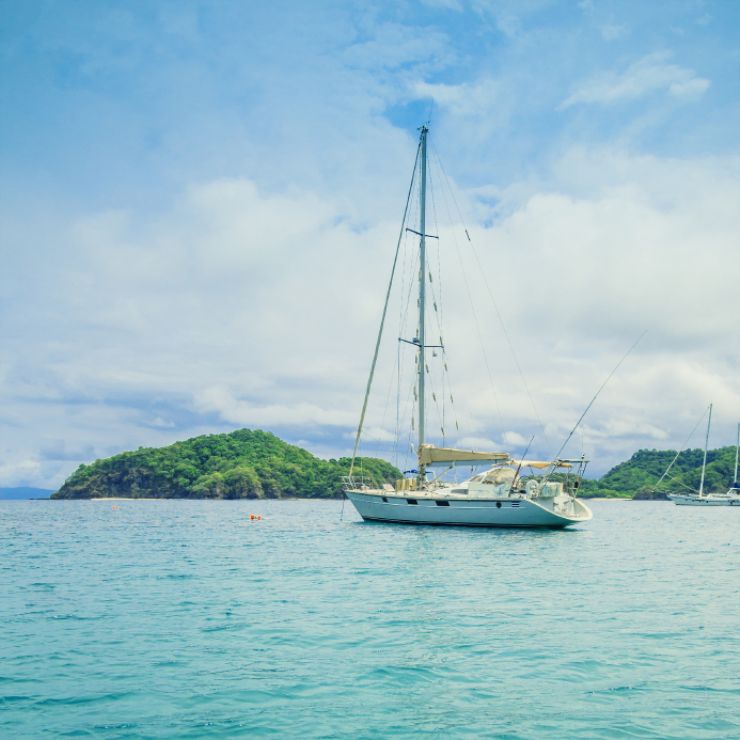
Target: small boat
[[511, 492], [700, 498]]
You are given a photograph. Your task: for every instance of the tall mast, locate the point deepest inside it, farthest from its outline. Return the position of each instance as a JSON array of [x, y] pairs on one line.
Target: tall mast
[[422, 293], [737, 452], [706, 444]]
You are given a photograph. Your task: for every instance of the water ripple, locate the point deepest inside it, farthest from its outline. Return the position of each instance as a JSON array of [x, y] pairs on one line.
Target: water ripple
[[187, 619]]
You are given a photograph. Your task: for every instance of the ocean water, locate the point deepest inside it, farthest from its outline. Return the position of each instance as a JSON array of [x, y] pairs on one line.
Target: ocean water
[[185, 619]]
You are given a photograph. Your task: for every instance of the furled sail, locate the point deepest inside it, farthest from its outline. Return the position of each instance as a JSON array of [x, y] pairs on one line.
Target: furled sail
[[542, 464], [429, 454]]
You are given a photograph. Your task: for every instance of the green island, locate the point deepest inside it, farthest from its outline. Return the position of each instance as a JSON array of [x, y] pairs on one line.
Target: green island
[[241, 464], [637, 477], [255, 464]]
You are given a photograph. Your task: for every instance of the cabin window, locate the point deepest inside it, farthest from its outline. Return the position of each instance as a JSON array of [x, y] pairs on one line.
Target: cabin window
[[411, 501], [498, 504], [443, 503]]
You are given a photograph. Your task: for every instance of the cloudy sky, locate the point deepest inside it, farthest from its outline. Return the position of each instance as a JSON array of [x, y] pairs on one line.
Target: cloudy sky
[[199, 205]]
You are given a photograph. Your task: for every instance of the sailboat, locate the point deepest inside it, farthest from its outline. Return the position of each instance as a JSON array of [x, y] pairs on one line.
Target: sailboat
[[502, 495], [700, 498]]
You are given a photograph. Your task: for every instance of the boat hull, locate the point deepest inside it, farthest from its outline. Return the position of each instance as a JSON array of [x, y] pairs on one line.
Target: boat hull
[[464, 512], [685, 500]]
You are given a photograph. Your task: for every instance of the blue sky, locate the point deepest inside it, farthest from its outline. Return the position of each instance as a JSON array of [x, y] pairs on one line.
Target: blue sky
[[199, 206]]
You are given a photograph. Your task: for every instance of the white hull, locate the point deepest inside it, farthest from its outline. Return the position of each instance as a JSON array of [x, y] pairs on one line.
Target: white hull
[[688, 499], [472, 512]]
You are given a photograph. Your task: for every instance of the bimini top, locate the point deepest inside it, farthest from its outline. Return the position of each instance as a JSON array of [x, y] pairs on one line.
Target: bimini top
[[429, 454], [542, 464]]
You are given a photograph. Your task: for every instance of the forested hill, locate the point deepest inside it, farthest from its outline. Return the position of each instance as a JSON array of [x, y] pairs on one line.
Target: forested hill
[[242, 464], [642, 471], [256, 464]]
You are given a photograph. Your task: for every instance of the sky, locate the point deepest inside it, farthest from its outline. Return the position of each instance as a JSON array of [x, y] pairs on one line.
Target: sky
[[200, 202]]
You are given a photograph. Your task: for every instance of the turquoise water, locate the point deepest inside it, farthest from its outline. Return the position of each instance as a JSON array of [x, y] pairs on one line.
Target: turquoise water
[[185, 619]]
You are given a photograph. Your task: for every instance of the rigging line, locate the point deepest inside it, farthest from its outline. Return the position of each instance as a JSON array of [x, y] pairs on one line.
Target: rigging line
[[437, 295], [398, 403], [499, 315], [506, 335], [404, 404], [385, 311], [446, 375], [404, 310], [446, 390], [437, 405], [388, 395], [402, 320], [680, 450], [681, 484], [521, 462], [437, 298], [432, 183], [601, 388], [401, 362], [411, 433], [408, 272], [458, 252], [478, 330], [409, 403]]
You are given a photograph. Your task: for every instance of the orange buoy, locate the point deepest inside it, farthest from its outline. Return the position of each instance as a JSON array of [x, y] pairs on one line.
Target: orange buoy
[[251, 516]]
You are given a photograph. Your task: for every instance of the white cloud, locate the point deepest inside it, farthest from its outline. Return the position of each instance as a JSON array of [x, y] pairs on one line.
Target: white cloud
[[395, 46], [245, 413], [234, 274], [220, 310], [477, 443], [653, 73], [20, 471], [612, 31], [230, 317], [464, 100], [691, 87], [514, 439], [509, 17], [374, 434], [161, 423], [484, 109], [455, 5]]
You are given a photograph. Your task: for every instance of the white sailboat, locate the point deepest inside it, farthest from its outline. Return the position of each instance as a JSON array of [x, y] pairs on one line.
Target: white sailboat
[[700, 498], [501, 495]]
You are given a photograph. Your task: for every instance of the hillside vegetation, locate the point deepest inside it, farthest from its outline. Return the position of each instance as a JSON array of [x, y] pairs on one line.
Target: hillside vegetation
[[242, 464], [639, 475], [255, 464]]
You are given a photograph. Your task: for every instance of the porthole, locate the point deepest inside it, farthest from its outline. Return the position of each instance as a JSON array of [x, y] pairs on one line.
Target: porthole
[[498, 504]]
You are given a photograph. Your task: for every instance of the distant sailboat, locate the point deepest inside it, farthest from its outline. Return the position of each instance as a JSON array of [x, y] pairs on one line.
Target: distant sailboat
[[500, 496], [700, 498]]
